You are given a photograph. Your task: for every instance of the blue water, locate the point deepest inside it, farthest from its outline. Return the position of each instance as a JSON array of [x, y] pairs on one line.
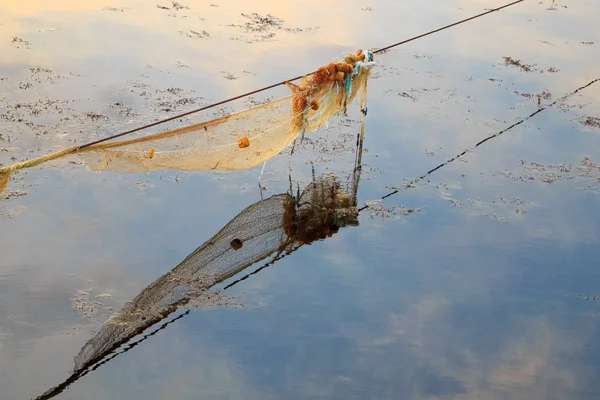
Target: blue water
[[487, 288]]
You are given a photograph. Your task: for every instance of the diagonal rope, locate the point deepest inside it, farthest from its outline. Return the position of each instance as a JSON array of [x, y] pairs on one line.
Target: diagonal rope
[[125, 347], [495, 135], [381, 50], [74, 149]]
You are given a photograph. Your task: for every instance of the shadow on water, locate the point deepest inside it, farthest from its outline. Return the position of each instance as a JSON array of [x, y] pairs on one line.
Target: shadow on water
[[267, 230]]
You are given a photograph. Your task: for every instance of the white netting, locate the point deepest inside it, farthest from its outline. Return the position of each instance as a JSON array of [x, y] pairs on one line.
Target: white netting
[[244, 139]]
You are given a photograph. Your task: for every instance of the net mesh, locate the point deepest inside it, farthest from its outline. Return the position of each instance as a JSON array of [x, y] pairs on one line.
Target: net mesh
[[244, 139], [235, 141], [265, 230], [3, 181], [270, 227]]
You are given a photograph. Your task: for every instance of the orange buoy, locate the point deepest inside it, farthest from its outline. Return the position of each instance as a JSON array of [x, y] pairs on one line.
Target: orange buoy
[[243, 142]]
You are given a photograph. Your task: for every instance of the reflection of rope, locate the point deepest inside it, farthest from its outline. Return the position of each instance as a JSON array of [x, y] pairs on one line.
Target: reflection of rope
[[95, 364], [420, 178], [110, 355], [359, 144], [266, 265], [84, 371], [55, 391]]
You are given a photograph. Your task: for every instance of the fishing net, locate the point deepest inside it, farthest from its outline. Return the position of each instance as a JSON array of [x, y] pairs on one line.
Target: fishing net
[[244, 139], [267, 229], [215, 144], [279, 224], [234, 141]]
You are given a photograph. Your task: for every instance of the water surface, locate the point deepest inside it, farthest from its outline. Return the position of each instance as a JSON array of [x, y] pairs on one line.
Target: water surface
[[479, 282]]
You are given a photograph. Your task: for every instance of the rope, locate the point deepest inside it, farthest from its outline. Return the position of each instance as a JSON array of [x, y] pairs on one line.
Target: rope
[[456, 157], [39, 160], [71, 150], [241, 96]]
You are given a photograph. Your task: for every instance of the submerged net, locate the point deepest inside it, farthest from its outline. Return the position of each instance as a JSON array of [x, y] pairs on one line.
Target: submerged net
[[270, 227], [244, 139]]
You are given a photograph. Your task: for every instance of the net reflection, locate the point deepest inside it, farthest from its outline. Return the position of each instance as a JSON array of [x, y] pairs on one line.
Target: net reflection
[[266, 232]]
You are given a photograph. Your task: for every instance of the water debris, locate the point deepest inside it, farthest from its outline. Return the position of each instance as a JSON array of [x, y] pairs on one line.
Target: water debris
[[431, 153], [14, 212], [17, 39], [588, 165], [94, 116], [12, 194], [264, 27], [229, 76], [377, 209], [178, 6], [498, 209], [168, 106], [90, 309], [551, 173], [259, 23], [123, 110], [196, 35], [588, 297], [175, 91], [404, 94], [545, 95], [37, 70], [588, 43], [593, 122], [553, 70], [509, 61]]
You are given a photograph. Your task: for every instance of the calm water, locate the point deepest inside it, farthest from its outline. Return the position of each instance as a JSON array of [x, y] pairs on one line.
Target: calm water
[[480, 282]]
